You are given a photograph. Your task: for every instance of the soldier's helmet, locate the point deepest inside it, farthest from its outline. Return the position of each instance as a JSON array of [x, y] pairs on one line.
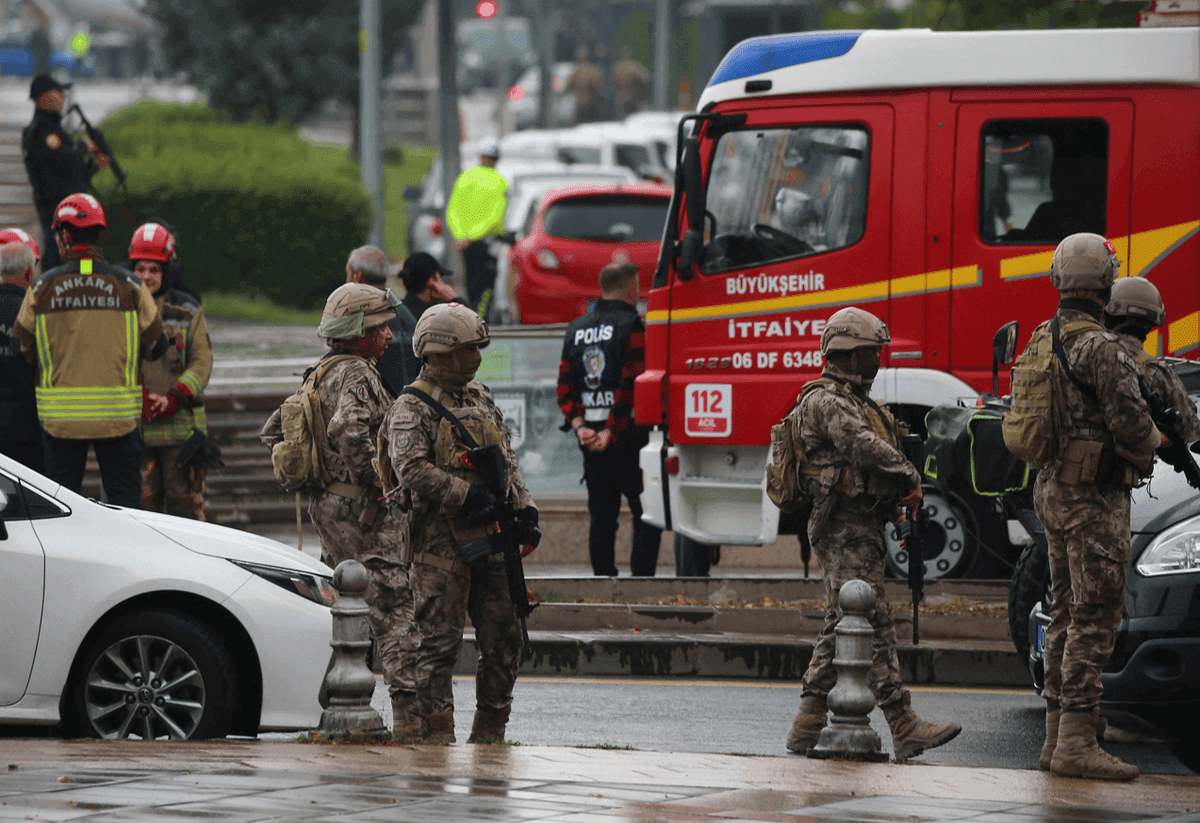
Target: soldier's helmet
[[20, 236], [853, 328], [79, 210], [352, 309], [1084, 262], [1136, 297], [448, 327]]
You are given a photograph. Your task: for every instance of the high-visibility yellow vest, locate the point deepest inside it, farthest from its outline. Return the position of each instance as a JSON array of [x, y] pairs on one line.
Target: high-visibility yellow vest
[[477, 204]]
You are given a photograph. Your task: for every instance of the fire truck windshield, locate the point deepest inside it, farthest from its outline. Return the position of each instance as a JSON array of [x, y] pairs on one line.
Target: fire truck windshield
[[775, 194]]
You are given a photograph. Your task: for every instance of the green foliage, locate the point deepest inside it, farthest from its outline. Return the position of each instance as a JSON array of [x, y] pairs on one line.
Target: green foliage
[[274, 60], [257, 310], [258, 210]]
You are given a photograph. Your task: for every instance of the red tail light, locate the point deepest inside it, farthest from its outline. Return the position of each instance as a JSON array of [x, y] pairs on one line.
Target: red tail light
[[435, 228]]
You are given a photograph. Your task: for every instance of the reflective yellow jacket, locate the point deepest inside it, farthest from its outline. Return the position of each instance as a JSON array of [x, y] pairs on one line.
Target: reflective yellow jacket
[[477, 204]]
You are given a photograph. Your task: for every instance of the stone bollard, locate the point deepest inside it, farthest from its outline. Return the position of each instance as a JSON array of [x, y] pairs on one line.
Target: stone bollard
[[849, 735], [349, 683]]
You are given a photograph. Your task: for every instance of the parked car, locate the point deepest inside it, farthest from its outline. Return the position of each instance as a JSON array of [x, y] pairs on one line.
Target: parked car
[[526, 105], [122, 623], [1152, 682], [575, 234], [662, 127], [612, 144]]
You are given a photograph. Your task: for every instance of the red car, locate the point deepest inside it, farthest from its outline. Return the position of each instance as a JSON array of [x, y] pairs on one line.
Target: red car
[[577, 232]]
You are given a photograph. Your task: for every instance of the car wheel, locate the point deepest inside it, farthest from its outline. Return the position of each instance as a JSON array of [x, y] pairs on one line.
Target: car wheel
[[947, 546], [1188, 752], [1027, 587], [154, 674]]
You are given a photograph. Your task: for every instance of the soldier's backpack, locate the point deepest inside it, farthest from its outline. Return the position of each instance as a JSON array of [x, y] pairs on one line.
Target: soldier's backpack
[[303, 459], [1030, 427], [785, 481]]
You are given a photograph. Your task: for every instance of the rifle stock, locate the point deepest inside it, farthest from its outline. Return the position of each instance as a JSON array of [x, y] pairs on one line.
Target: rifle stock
[[1169, 421], [101, 142]]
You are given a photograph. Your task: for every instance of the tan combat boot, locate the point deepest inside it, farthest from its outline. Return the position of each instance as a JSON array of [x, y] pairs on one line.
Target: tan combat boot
[[407, 722], [1052, 714], [489, 726], [910, 734], [806, 727], [1079, 755], [441, 726]]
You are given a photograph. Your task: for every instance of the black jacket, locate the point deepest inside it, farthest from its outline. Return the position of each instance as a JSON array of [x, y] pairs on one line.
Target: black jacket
[[399, 364], [18, 406], [57, 166]]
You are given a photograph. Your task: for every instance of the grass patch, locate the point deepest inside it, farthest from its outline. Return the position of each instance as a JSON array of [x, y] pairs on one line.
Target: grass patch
[[257, 309], [551, 596]]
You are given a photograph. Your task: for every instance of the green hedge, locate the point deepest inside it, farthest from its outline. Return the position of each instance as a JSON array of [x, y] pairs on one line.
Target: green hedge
[[258, 210]]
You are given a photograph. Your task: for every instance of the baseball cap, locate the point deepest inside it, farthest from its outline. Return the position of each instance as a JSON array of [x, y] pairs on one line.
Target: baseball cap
[[44, 83], [490, 150]]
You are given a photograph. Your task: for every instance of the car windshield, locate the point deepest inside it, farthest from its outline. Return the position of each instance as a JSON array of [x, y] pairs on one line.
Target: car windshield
[[579, 154], [780, 193], [610, 218]]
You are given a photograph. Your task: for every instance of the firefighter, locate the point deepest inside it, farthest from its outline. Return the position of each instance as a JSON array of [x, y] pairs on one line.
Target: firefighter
[[852, 444], [56, 164], [443, 506], [174, 410], [603, 352], [475, 216], [21, 435], [87, 324]]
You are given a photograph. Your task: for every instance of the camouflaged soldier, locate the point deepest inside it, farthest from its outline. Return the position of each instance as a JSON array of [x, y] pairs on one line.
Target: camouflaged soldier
[[444, 507], [1134, 310], [347, 514], [1106, 443], [853, 465]]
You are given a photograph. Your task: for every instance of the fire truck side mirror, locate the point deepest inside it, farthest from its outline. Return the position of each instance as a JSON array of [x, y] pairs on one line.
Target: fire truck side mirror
[[690, 249], [1004, 344], [693, 183]]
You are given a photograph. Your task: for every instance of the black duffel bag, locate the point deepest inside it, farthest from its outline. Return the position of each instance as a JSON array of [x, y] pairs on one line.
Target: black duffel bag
[[965, 447]]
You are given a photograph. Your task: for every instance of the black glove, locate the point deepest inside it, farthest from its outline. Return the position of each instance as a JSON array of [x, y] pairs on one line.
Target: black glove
[[480, 506], [526, 528]]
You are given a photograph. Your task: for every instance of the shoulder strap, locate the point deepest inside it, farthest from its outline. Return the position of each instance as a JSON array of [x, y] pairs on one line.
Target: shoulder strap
[[1056, 341], [443, 411]]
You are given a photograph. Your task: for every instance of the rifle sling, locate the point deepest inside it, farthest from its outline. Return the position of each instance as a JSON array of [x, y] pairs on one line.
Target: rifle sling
[[444, 412], [1056, 341]]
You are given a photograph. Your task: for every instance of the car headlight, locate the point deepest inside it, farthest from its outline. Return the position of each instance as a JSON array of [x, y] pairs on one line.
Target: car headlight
[[1175, 551], [314, 587]]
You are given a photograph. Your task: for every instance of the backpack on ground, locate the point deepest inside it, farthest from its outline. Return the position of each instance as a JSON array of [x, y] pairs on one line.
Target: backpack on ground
[[1030, 427], [303, 459]]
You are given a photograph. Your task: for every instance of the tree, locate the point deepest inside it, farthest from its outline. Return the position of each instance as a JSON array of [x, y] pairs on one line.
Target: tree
[[274, 60]]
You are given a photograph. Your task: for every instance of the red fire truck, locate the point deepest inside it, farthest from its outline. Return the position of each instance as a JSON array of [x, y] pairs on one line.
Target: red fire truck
[[926, 177]]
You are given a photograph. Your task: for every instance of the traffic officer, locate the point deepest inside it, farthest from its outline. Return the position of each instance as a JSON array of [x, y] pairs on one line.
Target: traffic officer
[[1082, 498], [444, 505], [475, 217], [175, 382], [1133, 311], [398, 365], [603, 353], [56, 165], [21, 434], [87, 324], [853, 445]]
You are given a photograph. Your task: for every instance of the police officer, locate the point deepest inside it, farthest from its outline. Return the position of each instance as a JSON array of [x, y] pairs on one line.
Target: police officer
[[1133, 311], [603, 353], [851, 451], [346, 513], [21, 434], [1106, 444], [475, 216], [398, 366], [445, 506], [87, 324], [56, 165], [175, 382]]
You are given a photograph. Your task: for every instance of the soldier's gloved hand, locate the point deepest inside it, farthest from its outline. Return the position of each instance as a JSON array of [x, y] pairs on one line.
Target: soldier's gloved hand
[[912, 498], [526, 528], [480, 507]]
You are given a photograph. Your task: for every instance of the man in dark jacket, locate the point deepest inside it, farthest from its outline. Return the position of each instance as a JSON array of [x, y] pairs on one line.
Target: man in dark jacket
[[421, 275], [57, 165], [398, 365], [21, 435], [603, 352]]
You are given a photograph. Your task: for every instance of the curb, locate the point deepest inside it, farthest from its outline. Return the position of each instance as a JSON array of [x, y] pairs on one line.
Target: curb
[[616, 653]]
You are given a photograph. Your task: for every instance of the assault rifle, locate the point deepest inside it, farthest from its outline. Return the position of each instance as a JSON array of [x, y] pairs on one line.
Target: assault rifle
[[912, 533], [97, 137], [1169, 421], [506, 540]]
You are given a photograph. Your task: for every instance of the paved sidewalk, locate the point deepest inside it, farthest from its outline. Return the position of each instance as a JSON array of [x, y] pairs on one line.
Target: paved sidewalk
[[246, 781]]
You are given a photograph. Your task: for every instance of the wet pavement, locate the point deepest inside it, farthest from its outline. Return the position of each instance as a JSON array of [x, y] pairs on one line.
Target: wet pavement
[[260, 781]]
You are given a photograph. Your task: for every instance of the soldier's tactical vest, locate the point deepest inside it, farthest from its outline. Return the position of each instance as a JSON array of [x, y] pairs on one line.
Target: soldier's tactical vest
[[851, 481]]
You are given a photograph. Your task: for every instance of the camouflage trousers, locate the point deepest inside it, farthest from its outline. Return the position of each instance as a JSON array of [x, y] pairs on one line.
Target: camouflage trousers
[[444, 591], [344, 536], [1087, 530], [169, 487], [389, 597], [853, 548]]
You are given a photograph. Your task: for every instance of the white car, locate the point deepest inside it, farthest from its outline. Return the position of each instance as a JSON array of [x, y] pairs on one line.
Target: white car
[[122, 623]]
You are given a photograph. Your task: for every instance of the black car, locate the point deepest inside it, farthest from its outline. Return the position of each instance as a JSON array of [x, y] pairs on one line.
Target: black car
[[1152, 682]]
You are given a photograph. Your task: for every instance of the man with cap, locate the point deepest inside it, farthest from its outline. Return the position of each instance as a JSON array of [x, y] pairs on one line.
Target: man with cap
[[424, 285], [56, 164], [21, 435], [475, 216], [398, 365]]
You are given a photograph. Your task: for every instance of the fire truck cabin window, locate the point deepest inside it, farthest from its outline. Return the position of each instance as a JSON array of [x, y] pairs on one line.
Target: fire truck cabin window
[[1041, 180], [775, 194]]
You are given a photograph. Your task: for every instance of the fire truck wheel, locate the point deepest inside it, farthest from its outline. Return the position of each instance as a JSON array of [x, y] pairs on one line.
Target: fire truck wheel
[[947, 546]]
